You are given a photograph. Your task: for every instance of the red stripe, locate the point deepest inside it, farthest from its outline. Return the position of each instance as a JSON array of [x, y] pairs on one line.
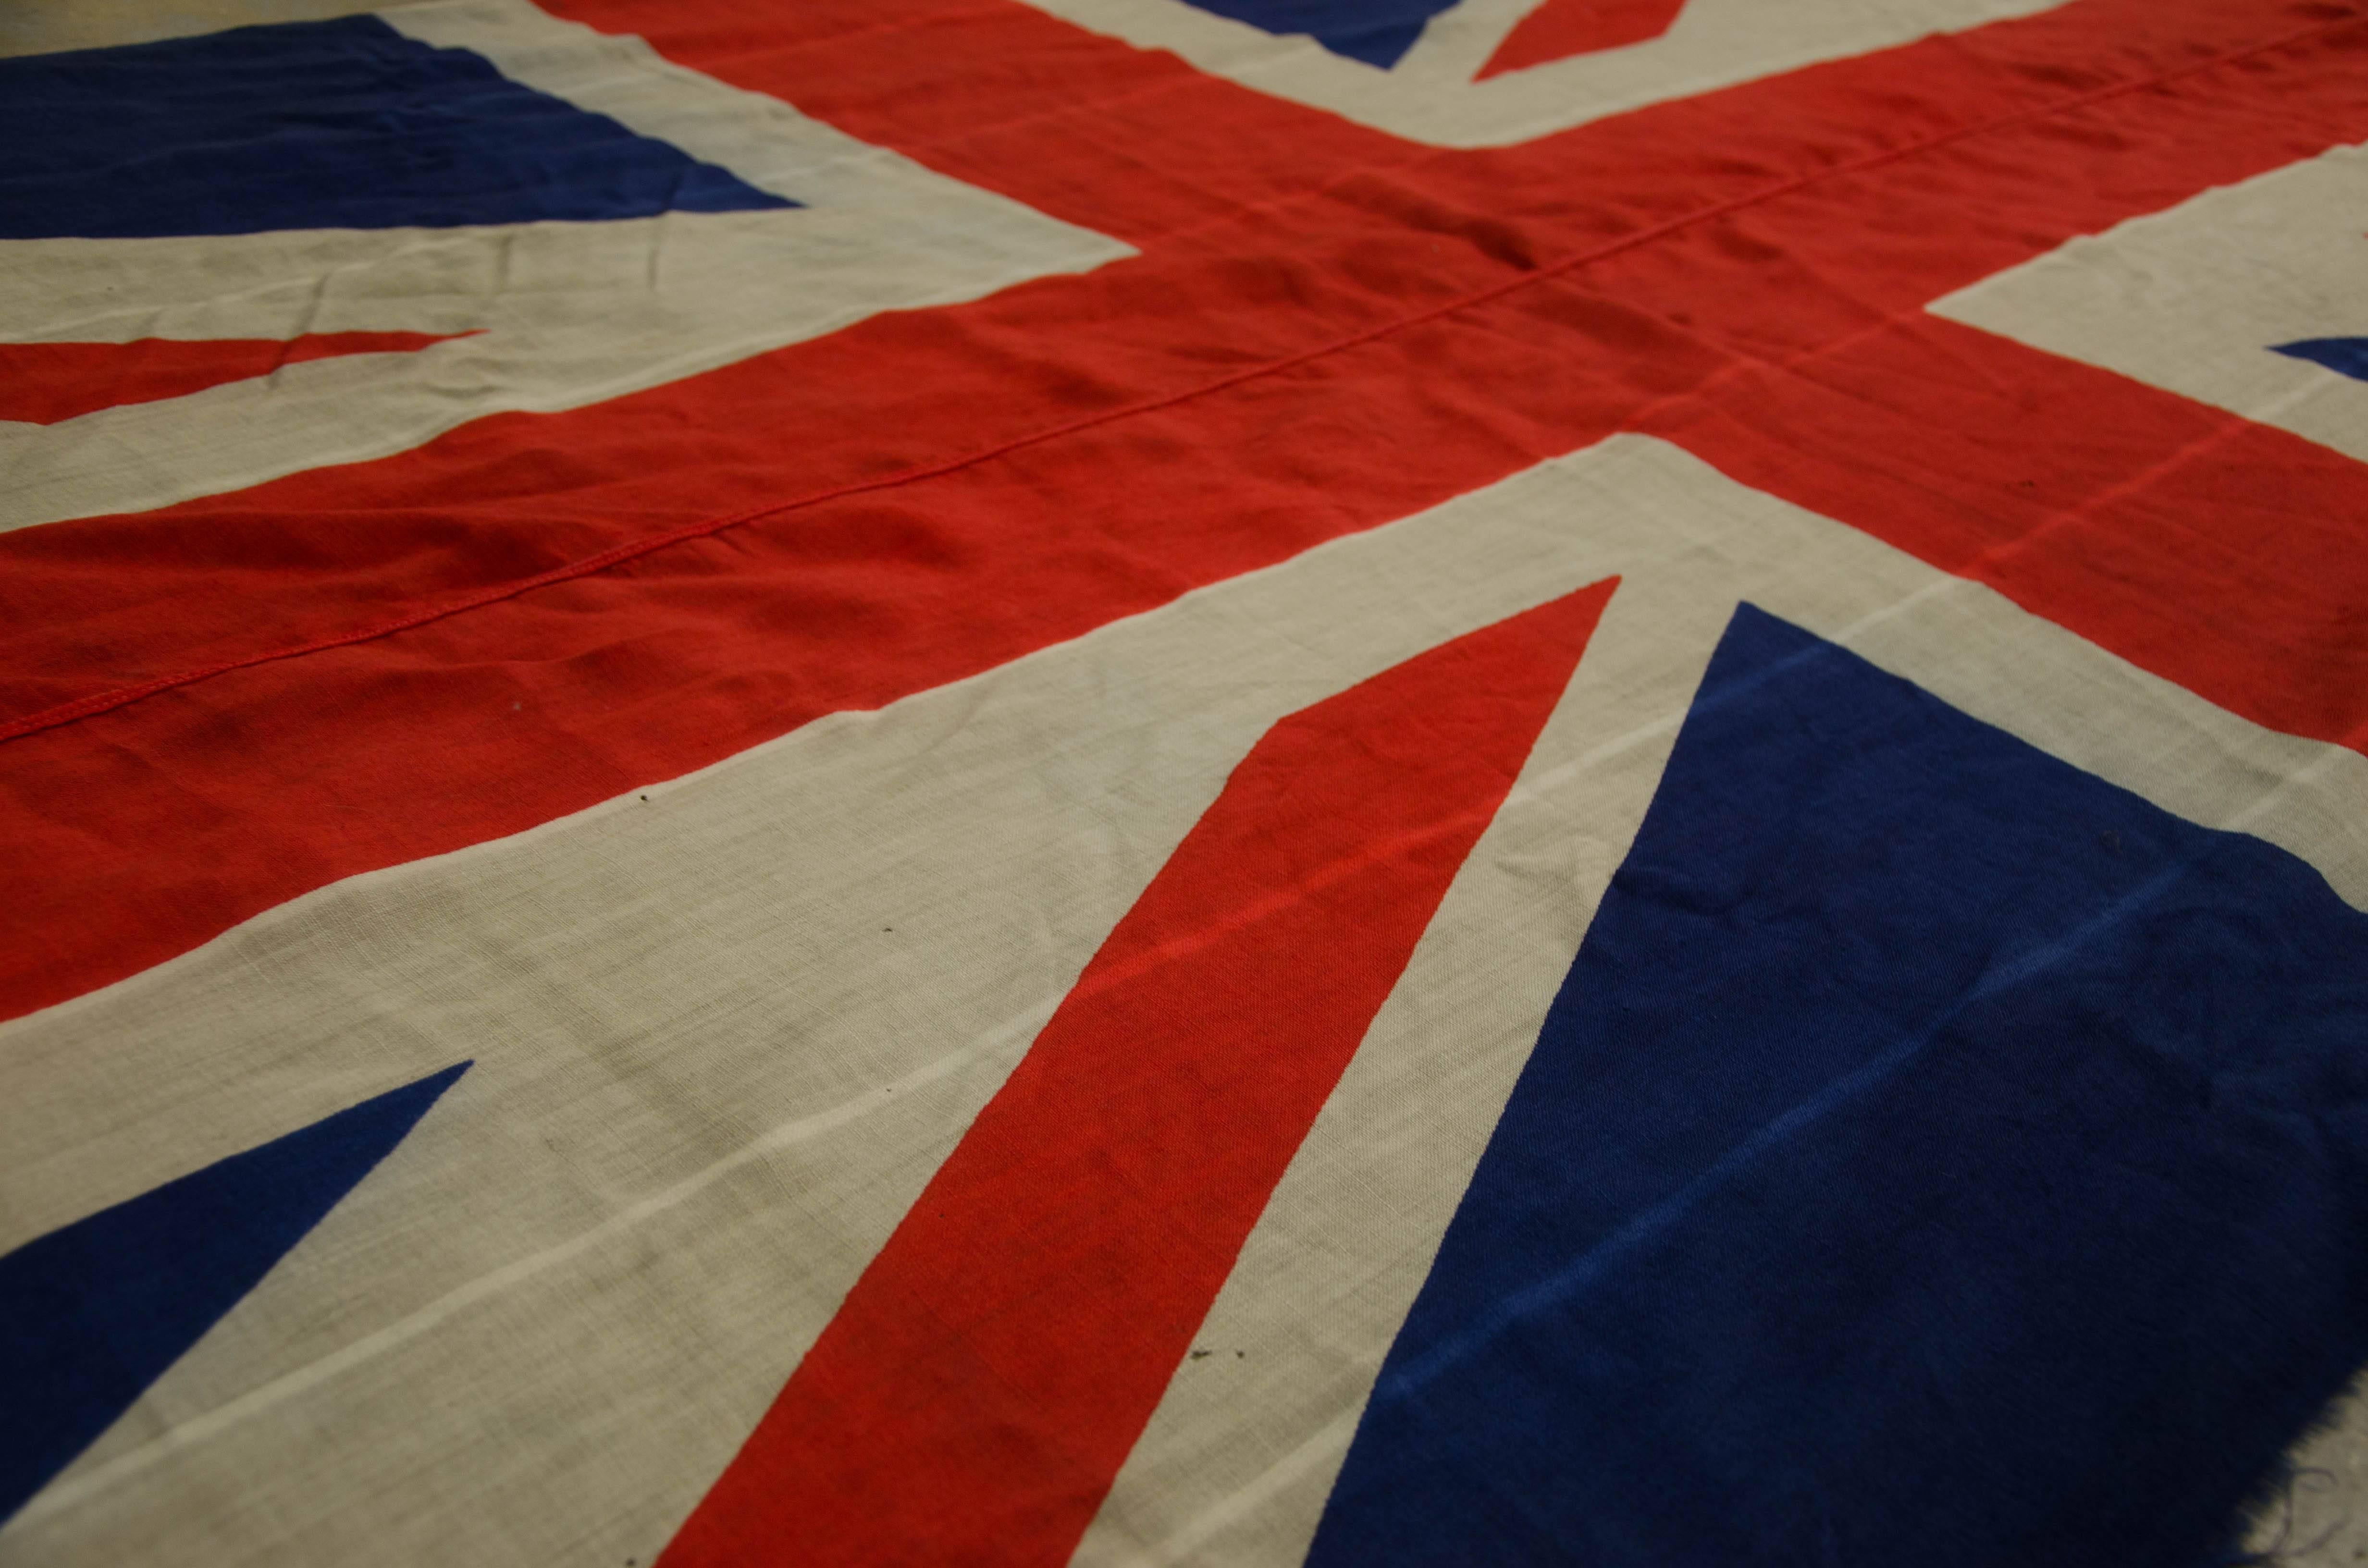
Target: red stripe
[[1561, 29], [974, 1396], [2228, 556], [1132, 142], [41, 383], [136, 833], [1270, 271]]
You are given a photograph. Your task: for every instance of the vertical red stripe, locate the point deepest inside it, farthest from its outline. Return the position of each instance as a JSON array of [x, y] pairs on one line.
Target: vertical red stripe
[[976, 1393]]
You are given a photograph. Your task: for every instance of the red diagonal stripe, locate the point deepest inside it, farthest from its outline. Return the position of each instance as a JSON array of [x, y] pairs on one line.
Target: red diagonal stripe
[[41, 383], [141, 831], [975, 1397], [2218, 553], [1560, 29]]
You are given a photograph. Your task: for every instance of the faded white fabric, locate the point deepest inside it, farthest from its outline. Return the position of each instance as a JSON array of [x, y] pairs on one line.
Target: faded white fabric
[[561, 314], [2195, 299], [726, 1028]]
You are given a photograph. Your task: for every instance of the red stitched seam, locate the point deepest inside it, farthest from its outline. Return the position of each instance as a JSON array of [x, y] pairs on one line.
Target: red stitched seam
[[120, 696]]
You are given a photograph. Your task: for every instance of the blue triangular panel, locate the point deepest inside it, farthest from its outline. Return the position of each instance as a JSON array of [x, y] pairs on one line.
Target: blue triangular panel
[[1384, 46], [344, 124], [1936, 1156], [1377, 32], [93, 1313], [2347, 355]]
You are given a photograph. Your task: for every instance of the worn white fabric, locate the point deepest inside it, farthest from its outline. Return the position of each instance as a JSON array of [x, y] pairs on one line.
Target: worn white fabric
[[555, 314], [2193, 299], [726, 1028]]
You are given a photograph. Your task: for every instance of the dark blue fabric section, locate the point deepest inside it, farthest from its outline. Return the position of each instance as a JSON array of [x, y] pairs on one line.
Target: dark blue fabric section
[[93, 1313], [1378, 32], [1936, 1156], [343, 124], [2348, 355]]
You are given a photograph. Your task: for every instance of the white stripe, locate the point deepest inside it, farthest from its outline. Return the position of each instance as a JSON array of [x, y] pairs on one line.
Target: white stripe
[[92, 1480], [708, 1080], [2195, 299], [563, 314], [1300, 1330]]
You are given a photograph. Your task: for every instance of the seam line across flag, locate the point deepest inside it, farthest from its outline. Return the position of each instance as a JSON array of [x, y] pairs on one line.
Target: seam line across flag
[[120, 696]]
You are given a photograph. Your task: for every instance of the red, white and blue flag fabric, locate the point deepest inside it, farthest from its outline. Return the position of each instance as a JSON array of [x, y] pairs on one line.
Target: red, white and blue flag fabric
[[1159, 781]]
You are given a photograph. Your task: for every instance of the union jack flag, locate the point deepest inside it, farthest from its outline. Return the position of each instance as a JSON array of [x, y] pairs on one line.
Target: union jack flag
[[1154, 781]]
